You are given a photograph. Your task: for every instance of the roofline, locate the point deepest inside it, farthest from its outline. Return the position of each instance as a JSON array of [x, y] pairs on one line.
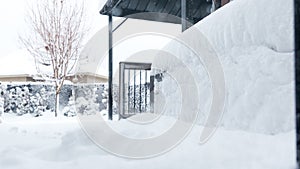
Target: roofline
[[159, 10], [90, 74], [31, 76], [15, 75]]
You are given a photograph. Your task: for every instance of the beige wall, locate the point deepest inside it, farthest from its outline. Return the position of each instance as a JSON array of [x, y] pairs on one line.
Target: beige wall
[[91, 79], [16, 79]]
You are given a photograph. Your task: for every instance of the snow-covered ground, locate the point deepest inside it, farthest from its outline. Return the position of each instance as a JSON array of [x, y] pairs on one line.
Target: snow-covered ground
[[60, 143]]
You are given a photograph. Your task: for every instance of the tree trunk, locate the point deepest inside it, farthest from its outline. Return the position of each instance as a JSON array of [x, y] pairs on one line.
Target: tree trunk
[[56, 104]]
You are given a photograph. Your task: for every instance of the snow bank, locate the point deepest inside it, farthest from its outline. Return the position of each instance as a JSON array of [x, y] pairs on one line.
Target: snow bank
[[254, 43], [60, 143]]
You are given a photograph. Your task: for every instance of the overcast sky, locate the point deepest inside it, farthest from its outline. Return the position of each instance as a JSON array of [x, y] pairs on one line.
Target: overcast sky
[[12, 21], [13, 24]]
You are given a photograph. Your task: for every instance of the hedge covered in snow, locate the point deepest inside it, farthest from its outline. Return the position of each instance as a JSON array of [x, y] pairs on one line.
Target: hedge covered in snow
[[39, 98]]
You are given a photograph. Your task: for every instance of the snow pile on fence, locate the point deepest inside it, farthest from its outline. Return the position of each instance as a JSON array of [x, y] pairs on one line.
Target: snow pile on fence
[[254, 43]]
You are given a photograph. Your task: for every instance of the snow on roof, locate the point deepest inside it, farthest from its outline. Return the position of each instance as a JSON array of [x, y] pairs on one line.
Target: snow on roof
[[22, 63], [17, 63]]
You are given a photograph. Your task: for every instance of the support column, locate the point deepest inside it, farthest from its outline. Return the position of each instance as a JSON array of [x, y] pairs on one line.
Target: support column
[[145, 86], [121, 90], [110, 68], [183, 15], [186, 14], [297, 72], [152, 94], [129, 94]]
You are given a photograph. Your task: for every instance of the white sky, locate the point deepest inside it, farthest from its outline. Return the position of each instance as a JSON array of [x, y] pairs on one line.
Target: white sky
[[12, 22], [12, 25]]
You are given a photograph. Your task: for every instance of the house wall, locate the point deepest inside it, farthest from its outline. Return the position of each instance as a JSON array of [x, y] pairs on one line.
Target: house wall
[[91, 79], [16, 79]]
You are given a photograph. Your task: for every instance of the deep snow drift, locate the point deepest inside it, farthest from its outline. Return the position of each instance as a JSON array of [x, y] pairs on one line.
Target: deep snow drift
[[254, 42]]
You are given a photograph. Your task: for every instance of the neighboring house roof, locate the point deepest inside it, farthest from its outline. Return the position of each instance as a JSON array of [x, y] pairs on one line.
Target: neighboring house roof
[[22, 64], [18, 63], [92, 74]]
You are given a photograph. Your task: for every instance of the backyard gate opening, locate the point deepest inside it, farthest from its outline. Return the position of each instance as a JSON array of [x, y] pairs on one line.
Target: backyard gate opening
[[136, 88]]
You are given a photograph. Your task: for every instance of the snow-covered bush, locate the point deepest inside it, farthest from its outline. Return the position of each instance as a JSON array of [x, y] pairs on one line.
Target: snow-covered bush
[[90, 99], [45, 91], [39, 98], [70, 109], [65, 94], [115, 99], [2, 91], [31, 99]]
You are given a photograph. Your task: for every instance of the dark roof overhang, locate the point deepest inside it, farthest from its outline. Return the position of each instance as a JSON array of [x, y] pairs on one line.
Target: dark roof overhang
[[196, 9]]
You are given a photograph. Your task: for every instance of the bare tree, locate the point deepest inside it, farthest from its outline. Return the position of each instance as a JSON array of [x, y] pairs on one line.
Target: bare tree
[[55, 37]]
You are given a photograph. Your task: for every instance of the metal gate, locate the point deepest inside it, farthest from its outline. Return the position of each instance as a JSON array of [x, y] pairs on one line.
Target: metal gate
[[135, 89]]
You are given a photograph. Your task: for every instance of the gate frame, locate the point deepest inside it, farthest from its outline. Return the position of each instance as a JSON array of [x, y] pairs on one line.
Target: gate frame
[[131, 66]]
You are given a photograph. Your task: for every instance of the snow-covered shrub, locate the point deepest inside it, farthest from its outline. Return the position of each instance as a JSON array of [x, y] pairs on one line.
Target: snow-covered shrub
[[31, 99], [2, 92], [86, 97], [38, 98], [46, 92], [102, 96], [64, 96], [70, 109], [115, 99]]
